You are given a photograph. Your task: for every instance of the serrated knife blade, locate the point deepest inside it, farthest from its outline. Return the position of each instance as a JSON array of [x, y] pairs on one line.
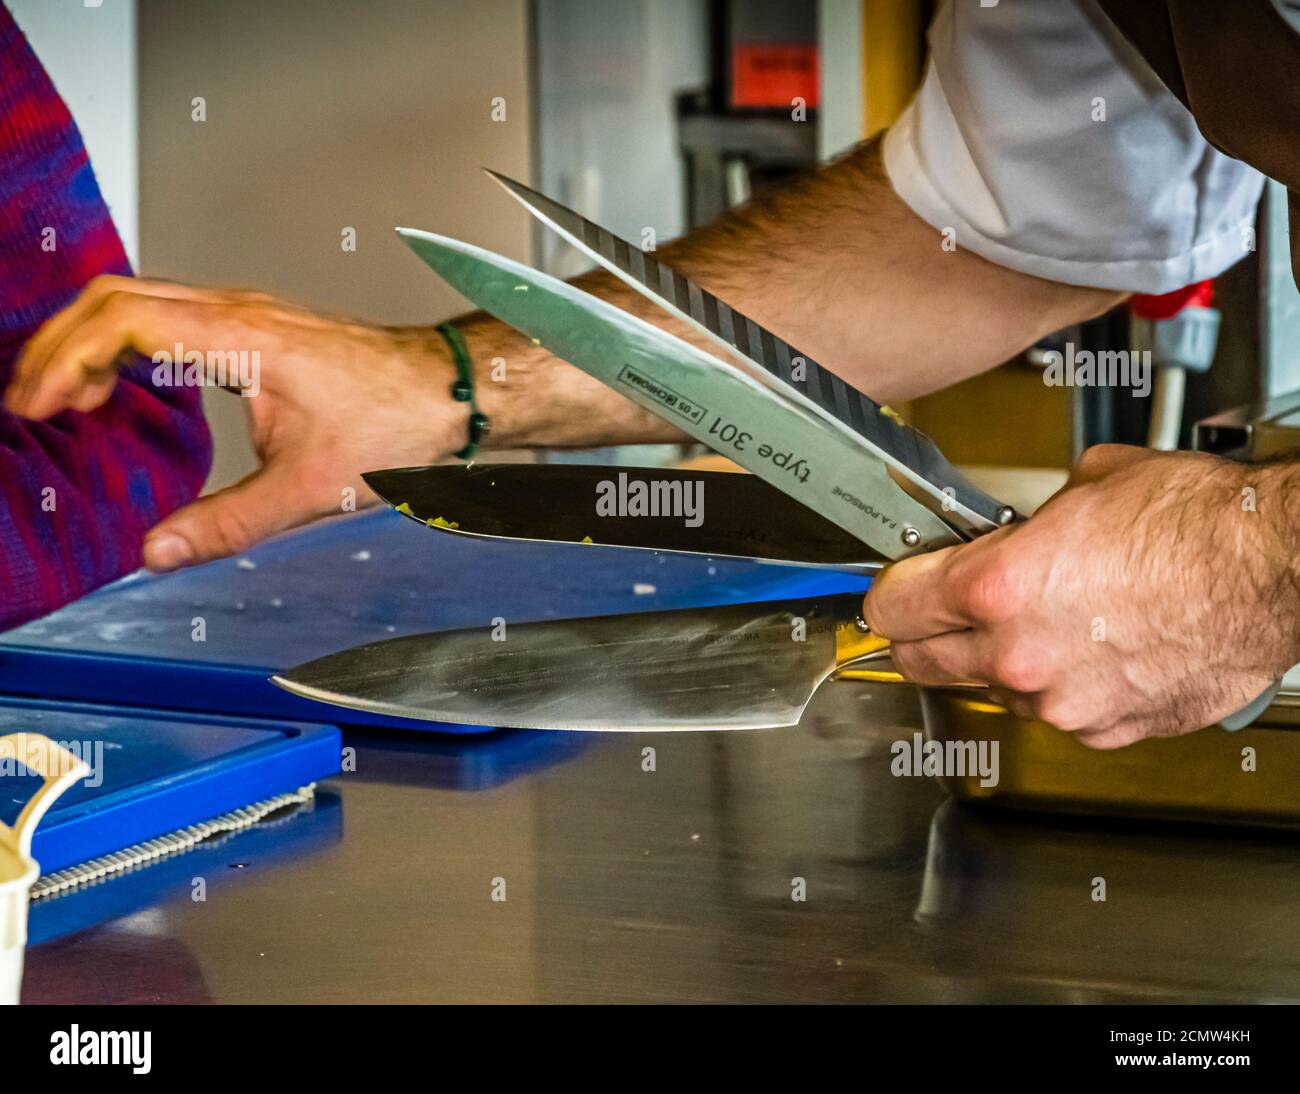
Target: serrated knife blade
[[907, 450]]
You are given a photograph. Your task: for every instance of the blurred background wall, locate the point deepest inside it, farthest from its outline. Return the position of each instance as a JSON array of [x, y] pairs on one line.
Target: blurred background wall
[[362, 114]]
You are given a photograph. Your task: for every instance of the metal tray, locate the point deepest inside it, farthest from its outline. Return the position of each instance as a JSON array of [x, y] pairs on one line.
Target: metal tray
[[1198, 777]]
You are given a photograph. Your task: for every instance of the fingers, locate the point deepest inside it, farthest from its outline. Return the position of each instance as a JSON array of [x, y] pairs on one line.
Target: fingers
[[969, 586], [906, 601], [227, 522], [53, 330], [81, 370], [955, 658], [71, 362]]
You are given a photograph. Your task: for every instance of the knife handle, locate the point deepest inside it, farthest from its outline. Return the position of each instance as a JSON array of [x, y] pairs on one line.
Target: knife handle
[[870, 664], [854, 640]]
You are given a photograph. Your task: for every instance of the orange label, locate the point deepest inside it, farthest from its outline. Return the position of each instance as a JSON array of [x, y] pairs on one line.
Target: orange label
[[771, 74]]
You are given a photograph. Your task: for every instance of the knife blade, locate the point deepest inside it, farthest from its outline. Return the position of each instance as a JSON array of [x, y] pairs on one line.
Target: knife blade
[[739, 666], [906, 450], [829, 471], [738, 516]]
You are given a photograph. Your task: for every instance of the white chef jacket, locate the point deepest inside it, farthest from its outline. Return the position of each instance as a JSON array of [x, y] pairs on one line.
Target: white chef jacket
[[1046, 143]]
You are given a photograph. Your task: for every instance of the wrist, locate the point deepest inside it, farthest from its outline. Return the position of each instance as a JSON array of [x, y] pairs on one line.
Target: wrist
[[502, 377], [463, 390], [531, 399], [507, 368], [423, 357]]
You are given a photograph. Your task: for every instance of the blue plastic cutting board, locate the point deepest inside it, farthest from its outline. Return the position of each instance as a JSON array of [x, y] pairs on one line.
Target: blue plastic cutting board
[[155, 772], [343, 583]]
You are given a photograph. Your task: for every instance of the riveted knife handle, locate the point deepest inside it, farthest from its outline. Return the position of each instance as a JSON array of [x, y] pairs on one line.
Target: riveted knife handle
[[855, 640]]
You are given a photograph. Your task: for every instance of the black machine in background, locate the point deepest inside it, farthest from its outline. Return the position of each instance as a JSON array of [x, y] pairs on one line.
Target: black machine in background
[[755, 124]]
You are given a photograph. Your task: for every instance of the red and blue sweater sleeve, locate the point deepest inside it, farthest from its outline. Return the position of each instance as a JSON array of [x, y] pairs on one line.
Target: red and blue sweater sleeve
[[79, 492]]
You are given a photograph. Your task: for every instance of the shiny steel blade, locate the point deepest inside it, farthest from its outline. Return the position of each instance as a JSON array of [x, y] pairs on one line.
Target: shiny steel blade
[[829, 471], [733, 667], [739, 516], [907, 450]]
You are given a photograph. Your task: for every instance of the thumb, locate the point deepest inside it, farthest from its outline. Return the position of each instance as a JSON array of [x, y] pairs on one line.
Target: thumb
[[224, 523]]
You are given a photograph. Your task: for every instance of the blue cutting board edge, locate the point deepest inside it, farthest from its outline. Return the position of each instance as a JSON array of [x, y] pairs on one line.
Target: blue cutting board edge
[[180, 769]]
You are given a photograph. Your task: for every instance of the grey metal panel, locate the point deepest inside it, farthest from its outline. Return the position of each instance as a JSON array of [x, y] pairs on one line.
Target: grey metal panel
[[1280, 318]]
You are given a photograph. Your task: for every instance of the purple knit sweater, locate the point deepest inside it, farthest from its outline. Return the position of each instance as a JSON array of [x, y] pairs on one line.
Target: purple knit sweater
[[79, 492]]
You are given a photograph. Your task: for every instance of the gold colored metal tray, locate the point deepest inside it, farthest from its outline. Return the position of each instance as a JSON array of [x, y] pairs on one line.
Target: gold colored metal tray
[[1251, 777]]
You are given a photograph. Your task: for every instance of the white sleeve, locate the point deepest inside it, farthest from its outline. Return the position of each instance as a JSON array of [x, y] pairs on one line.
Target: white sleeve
[[1049, 146]]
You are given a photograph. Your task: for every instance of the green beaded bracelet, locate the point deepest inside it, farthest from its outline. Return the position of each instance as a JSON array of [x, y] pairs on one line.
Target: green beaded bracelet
[[462, 390]]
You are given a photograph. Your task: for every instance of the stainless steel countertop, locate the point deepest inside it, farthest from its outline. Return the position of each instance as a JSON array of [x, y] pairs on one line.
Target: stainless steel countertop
[[676, 884]]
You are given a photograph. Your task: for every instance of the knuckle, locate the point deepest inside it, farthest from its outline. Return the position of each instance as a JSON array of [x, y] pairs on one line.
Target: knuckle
[[114, 302], [916, 662], [1110, 737], [1063, 711], [231, 531], [1098, 457], [991, 593], [253, 296], [906, 658], [317, 471], [1018, 666], [103, 284]]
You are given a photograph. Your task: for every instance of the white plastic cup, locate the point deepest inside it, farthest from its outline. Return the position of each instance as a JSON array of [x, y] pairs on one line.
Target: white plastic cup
[[59, 769]]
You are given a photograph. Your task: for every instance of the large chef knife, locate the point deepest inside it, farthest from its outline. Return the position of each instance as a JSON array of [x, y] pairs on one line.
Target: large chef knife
[[739, 666]]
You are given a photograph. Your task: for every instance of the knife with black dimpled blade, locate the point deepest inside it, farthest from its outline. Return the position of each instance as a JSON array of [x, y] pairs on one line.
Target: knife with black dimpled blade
[[740, 516]]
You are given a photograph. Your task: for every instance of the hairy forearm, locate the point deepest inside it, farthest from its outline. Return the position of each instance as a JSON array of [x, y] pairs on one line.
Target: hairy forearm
[[837, 265]]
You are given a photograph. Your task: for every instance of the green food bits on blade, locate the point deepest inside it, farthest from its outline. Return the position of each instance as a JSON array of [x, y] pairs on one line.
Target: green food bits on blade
[[404, 508], [441, 522]]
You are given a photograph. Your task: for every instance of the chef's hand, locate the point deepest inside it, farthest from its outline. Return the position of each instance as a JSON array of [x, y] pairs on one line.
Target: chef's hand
[[1154, 594], [333, 398]]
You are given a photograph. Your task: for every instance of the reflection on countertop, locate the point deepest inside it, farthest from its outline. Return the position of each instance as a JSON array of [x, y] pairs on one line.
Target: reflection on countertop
[[670, 874]]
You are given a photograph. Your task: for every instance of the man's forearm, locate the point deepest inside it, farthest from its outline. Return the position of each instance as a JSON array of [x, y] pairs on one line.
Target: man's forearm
[[837, 265]]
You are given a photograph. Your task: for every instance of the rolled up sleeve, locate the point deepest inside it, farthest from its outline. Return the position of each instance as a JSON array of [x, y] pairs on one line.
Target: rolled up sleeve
[[1047, 145]]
